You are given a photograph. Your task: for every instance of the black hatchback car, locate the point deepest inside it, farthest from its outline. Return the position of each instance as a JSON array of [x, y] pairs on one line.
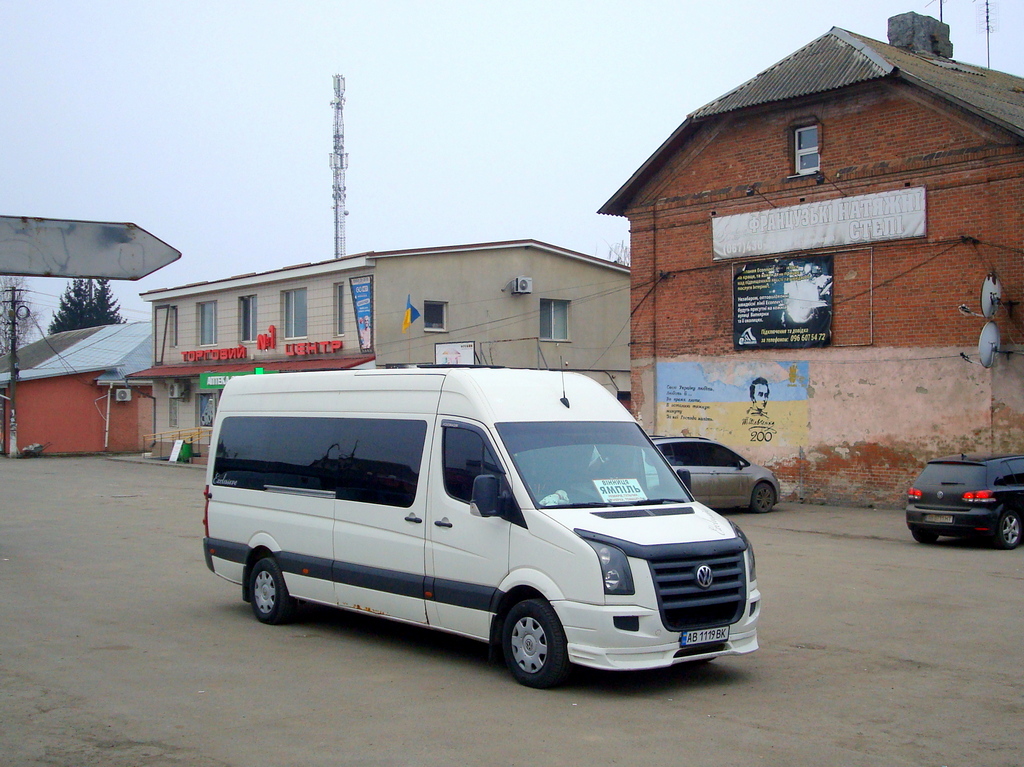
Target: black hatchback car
[[968, 495]]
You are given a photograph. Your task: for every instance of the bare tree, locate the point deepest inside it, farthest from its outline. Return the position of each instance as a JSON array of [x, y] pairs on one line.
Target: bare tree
[[619, 253]]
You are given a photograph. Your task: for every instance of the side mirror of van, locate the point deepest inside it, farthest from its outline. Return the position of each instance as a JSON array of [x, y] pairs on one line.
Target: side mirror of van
[[485, 500]]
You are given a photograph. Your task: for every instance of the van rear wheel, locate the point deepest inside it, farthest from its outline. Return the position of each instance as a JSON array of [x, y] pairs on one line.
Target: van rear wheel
[[534, 644], [270, 600]]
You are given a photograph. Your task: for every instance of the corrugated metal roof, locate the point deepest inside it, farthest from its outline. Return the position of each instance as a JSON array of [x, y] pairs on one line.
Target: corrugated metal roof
[[997, 96], [837, 60], [117, 350], [825, 64]]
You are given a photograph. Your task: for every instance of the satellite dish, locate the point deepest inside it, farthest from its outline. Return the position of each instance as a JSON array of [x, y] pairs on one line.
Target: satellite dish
[[991, 295], [988, 344]]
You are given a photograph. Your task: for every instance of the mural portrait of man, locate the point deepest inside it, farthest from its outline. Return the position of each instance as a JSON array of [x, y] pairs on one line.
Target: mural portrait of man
[[759, 394]]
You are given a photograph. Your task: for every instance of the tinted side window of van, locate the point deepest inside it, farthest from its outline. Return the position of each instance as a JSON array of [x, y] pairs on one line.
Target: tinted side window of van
[[466, 455], [362, 459]]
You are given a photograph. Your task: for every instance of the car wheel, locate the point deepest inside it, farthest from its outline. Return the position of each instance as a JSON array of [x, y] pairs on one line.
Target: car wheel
[[270, 600], [1008, 530], [923, 536], [534, 644], [762, 498]]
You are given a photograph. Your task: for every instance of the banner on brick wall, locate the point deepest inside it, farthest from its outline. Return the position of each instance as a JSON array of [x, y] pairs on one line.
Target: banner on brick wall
[[783, 304], [860, 220]]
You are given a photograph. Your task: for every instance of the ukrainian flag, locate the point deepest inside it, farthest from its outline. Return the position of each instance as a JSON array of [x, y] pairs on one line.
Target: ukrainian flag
[[411, 314]]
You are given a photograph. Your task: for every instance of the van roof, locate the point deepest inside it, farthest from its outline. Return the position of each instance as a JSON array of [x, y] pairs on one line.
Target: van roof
[[486, 394]]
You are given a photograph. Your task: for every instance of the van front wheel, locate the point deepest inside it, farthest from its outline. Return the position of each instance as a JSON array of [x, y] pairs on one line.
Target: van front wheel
[[271, 602], [534, 644]]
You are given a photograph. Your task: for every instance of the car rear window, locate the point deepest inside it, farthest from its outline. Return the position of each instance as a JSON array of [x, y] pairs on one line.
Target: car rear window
[[938, 474]]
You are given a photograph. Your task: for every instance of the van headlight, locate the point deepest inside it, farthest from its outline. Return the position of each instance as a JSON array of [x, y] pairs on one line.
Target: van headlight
[[618, 578], [750, 550]]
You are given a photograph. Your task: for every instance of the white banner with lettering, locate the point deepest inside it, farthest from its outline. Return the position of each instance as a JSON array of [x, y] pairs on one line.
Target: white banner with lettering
[[844, 221]]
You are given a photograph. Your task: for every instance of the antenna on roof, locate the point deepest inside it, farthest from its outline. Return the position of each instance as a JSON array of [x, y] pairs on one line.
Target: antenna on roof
[[339, 164], [988, 22]]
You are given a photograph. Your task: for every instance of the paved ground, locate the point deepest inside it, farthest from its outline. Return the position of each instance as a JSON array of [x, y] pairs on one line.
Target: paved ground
[[119, 648]]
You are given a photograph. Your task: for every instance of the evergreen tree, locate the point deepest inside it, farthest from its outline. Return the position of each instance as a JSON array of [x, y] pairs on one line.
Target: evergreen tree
[[86, 303]]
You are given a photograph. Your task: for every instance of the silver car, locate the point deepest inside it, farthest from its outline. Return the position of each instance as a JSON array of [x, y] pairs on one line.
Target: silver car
[[718, 476]]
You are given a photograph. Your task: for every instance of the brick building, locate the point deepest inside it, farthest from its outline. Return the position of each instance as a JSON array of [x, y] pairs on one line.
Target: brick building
[[809, 253], [73, 393]]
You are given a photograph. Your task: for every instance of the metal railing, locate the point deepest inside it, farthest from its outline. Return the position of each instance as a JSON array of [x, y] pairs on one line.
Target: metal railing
[[161, 443]]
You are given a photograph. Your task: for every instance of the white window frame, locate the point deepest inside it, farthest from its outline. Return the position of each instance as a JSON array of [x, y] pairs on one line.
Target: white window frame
[[207, 325], [247, 325], [799, 153], [291, 329], [550, 308], [444, 317], [339, 309]]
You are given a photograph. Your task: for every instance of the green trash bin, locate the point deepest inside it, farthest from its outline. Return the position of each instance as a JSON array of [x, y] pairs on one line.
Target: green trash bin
[[185, 454]]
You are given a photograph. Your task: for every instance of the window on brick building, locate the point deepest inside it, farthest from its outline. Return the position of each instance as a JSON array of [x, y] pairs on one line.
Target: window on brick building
[[805, 144]]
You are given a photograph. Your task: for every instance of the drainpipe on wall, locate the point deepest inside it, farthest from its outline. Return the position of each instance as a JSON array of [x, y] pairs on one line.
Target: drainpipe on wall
[[106, 428]]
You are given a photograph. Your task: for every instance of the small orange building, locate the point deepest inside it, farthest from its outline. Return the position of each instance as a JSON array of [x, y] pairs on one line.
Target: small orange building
[[71, 393]]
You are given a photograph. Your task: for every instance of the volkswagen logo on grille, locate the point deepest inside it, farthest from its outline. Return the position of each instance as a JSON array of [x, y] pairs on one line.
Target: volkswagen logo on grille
[[705, 577], [939, 495]]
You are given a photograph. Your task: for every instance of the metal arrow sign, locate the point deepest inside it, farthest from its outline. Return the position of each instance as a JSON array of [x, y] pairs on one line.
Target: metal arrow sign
[[47, 247]]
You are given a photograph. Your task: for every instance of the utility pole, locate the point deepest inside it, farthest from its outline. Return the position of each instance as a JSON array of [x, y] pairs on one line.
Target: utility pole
[[12, 316]]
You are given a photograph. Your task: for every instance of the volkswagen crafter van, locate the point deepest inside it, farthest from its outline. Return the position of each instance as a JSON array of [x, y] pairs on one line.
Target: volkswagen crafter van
[[522, 508]]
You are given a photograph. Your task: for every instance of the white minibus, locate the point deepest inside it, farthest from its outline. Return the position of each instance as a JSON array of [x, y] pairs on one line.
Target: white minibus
[[523, 508]]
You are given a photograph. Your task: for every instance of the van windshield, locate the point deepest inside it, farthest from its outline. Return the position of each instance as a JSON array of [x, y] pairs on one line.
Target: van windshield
[[584, 464]]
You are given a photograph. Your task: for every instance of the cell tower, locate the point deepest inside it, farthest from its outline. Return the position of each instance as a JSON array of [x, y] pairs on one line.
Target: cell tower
[[339, 164]]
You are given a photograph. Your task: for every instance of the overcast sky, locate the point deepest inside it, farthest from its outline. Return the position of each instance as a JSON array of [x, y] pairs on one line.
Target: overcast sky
[[209, 123]]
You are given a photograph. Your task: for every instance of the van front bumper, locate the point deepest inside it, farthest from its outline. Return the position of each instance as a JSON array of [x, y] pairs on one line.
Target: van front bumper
[[595, 640]]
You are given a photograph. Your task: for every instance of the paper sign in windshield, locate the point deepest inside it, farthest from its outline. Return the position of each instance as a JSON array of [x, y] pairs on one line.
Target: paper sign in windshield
[[619, 490]]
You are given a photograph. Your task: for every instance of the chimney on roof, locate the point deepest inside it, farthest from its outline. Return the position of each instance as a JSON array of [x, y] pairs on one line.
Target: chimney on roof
[[920, 34]]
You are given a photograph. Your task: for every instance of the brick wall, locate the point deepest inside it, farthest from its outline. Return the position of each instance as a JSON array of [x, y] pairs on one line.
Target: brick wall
[[895, 304]]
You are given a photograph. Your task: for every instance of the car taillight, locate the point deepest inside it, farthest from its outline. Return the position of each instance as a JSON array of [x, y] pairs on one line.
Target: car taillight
[[979, 496], [913, 494]]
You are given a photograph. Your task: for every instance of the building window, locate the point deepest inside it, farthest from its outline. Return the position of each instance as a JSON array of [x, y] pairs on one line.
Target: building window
[[247, 317], [207, 408], [339, 309], [805, 141], [295, 313], [172, 412], [167, 326], [554, 320], [435, 315], [207, 323]]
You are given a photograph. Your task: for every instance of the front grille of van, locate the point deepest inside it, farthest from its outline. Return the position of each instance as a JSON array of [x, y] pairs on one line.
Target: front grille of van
[[685, 605]]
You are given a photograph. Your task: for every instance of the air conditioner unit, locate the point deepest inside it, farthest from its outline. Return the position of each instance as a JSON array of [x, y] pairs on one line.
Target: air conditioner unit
[[522, 285], [123, 395], [176, 391]]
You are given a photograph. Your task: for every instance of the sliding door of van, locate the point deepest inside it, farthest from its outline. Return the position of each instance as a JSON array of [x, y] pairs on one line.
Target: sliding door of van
[[379, 516], [467, 555]]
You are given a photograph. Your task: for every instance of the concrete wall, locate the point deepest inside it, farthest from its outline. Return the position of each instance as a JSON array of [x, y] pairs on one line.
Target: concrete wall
[[503, 326]]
